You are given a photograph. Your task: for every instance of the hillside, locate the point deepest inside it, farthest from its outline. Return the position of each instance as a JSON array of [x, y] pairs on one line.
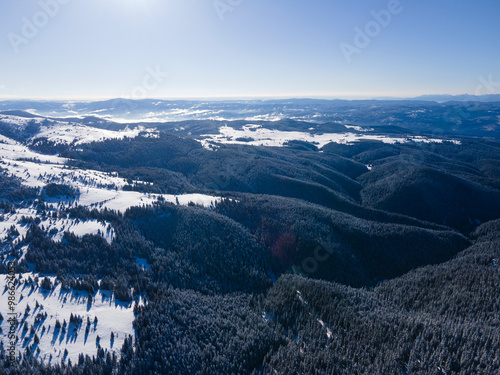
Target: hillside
[[248, 248]]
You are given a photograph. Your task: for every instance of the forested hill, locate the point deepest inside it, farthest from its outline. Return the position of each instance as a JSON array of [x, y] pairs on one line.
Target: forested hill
[[374, 256]]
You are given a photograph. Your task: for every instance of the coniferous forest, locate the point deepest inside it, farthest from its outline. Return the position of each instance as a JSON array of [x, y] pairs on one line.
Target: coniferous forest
[[370, 258]]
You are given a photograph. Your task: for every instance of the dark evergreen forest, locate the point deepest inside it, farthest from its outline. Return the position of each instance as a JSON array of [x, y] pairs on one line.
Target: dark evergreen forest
[[311, 264]]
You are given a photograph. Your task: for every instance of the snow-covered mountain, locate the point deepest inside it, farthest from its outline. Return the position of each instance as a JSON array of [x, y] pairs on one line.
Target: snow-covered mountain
[[212, 238], [459, 115], [40, 309]]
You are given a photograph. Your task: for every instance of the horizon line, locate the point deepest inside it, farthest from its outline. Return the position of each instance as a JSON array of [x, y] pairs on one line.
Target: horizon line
[[236, 98]]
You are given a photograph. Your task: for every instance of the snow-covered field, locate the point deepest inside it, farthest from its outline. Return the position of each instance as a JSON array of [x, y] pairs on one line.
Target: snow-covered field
[[55, 226], [97, 189], [255, 135], [112, 317], [72, 132]]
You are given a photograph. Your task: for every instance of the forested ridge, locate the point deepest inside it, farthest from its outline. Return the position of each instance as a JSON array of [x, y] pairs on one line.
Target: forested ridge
[[312, 263]]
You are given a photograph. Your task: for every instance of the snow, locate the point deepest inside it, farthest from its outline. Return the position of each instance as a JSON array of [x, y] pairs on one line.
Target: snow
[[112, 316], [122, 200], [301, 299], [20, 122], [80, 228], [71, 132], [358, 128], [97, 189], [12, 150], [14, 220], [277, 138], [329, 332], [60, 132], [57, 225], [143, 263], [265, 316]]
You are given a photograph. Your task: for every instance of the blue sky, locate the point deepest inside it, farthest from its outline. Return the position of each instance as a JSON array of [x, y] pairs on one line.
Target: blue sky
[[252, 48]]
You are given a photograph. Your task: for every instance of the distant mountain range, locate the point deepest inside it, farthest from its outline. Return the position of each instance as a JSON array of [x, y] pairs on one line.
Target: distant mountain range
[[479, 118], [452, 98]]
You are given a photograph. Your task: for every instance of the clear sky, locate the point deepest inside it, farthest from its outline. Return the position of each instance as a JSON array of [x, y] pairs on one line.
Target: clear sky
[[246, 48]]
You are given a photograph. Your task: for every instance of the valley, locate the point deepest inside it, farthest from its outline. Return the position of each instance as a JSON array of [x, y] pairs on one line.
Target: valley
[[248, 245]]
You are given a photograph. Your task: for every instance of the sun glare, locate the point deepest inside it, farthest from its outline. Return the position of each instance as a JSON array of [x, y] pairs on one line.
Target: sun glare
[[134, 7]]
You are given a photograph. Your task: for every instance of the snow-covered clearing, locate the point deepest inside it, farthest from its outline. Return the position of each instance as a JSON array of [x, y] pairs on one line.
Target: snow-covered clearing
[[112, 317], [21, 122], [77, 133], [54, 226], [73, 132], [255, 135], [358, 128], [97, 190]]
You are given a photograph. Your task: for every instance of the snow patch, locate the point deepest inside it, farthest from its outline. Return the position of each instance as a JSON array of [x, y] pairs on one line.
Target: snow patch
[[276, 138], [142, 263], [112, 315], [78, 134], [97, 189], [358, 128], [54, 226]]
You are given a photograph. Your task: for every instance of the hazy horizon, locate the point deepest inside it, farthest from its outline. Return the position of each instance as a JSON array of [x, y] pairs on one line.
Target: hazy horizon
[[242, 98]]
